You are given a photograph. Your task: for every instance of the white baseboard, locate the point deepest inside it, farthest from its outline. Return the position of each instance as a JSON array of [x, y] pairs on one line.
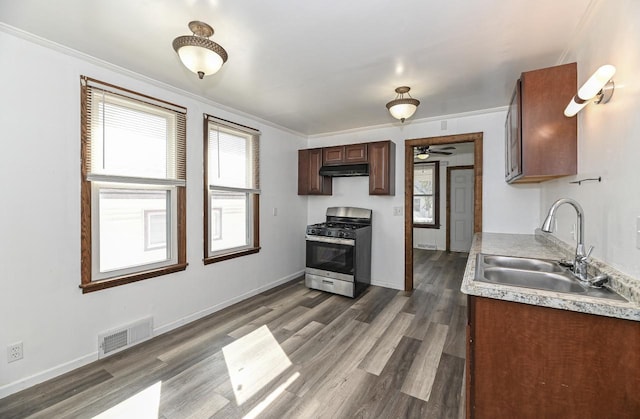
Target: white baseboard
[[388, 285], [23, 383], [45, 375]]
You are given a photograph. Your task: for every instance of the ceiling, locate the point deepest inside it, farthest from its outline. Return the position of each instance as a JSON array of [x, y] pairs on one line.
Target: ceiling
[[460, 148], [322, 66]]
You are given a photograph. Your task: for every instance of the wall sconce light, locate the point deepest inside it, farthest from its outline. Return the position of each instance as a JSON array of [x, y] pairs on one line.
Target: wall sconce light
[[402, 108], [599, 86], [197, 52]]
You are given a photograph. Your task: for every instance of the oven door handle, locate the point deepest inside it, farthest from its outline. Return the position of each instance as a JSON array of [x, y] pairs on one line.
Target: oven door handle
[[334, 240]]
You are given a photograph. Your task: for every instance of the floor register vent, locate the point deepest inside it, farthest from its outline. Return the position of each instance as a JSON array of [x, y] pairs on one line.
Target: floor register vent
[[124, 337]]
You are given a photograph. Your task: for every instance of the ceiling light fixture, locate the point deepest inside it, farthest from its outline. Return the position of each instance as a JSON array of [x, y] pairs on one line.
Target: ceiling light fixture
[[197, 52], [599, 86], [402, 108], [423, 155]]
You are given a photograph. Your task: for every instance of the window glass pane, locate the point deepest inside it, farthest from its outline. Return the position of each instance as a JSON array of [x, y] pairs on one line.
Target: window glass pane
[[155, 229], [229, 159], [423, 180], [216, 223], [423, 209], [229, 220], [133, 227], [131, 139]]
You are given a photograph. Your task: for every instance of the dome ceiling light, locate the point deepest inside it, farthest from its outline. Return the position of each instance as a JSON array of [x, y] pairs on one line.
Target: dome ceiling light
[[402, 108], [197, 52]]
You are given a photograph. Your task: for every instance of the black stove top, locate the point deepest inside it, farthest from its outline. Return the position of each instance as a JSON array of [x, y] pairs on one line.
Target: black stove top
[[334, 229], [343, 226], [342, 222]]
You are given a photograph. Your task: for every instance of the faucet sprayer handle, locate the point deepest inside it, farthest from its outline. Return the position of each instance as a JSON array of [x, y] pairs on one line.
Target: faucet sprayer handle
[[584, 258], [588, 253]]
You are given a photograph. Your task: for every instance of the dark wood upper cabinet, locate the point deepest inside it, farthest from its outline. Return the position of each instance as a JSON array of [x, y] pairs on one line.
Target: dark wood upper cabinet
[[379, 155], [345, 154], [309, 180], [541, 143], [382, 159]]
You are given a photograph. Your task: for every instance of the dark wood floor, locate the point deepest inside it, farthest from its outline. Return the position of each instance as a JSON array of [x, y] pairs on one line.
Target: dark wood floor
[[287, 353]]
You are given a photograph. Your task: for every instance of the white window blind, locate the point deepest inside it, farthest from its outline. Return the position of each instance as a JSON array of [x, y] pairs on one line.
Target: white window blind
[[233, 161], [130, 138]]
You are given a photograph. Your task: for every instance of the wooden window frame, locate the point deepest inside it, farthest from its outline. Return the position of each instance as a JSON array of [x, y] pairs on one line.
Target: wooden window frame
[[86, 242], [435, 194], [255, 198]]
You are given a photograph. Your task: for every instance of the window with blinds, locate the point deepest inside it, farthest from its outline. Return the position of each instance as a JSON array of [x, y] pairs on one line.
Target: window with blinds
[[425, 194], [133, 181], [232, 189]]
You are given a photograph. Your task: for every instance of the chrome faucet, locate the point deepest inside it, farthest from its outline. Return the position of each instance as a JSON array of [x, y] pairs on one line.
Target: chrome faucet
[[580, 263]]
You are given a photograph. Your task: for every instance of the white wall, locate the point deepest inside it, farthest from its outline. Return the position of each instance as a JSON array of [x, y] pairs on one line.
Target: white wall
[[425, 237], [608, 140], [40, 301], [506, 208]]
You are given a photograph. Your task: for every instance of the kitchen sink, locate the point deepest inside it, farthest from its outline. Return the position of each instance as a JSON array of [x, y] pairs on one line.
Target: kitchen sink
[[535, 273], [527, 264]]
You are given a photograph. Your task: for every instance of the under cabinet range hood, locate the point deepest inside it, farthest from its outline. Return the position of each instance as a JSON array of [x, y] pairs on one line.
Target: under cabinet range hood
[[345, 170]]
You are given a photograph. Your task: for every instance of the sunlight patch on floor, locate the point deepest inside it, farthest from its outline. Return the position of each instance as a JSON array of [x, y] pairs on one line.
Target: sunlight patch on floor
[[253, 361], [144, 405], [260, 407]]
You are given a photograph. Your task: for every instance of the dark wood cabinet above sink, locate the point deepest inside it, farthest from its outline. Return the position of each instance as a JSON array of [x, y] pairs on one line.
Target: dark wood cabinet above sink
[[541, 143]]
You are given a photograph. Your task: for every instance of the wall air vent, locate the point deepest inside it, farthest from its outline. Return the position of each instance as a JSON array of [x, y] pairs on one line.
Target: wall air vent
[[124, 337]]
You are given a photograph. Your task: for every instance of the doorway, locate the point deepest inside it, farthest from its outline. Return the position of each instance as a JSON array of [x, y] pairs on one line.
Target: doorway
[[476, 139]]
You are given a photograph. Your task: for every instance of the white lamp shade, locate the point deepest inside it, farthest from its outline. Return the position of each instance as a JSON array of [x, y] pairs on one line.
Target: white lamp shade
[[423, 156], [574, 107], [199, 59], [590, 89], [596, 82], [402, 110]]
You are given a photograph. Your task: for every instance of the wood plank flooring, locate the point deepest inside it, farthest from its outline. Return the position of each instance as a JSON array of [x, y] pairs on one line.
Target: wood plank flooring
[[290, 352]]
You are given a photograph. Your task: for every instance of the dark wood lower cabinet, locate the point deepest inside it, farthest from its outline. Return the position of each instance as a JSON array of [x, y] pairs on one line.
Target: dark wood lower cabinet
[[526, 361]]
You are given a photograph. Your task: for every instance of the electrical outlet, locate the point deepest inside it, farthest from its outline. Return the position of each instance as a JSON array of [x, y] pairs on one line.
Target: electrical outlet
[[14, 352], [573, 231]]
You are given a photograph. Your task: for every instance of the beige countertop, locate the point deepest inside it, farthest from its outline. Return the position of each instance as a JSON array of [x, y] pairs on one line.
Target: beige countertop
[[546, 246]]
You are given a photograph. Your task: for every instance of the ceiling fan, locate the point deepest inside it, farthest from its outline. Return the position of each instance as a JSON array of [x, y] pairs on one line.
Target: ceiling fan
[[424, 152]]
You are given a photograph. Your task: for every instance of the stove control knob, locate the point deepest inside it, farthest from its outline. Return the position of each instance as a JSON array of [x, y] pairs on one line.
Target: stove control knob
[[343, 234], [312, 231]]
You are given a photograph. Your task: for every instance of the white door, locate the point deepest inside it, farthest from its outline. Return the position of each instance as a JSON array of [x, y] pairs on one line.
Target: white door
[[461, 210]]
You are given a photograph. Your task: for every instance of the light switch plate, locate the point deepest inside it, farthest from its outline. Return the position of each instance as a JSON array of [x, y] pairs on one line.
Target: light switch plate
[[638, 233], [397, 211]]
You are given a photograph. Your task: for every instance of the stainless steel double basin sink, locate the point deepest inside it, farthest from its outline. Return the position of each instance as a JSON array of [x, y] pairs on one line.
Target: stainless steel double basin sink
[[535, 273]]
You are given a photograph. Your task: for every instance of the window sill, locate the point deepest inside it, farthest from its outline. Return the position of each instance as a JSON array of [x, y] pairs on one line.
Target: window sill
[[126, 279], [227, 256], [435, 226]]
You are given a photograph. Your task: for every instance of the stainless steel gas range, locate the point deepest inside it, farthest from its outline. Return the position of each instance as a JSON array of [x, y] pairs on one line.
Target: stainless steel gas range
[[339, 252]]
